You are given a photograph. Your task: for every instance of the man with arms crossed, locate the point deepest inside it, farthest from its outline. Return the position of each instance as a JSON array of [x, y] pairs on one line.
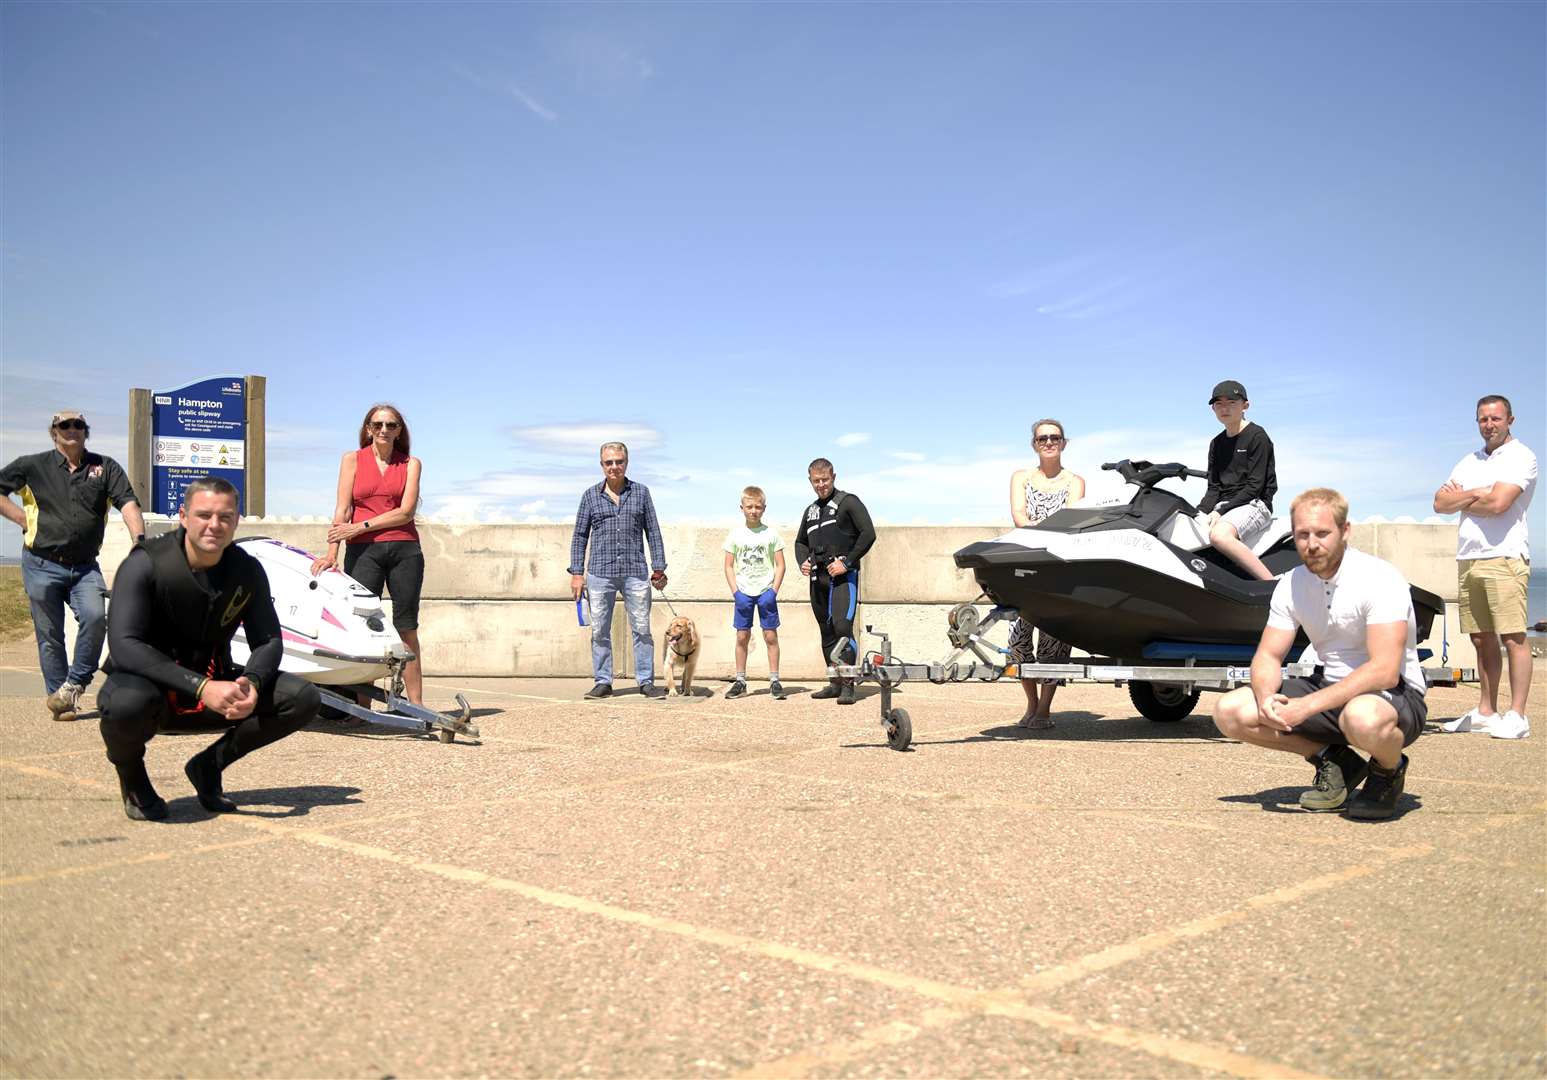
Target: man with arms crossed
[[1357, 611], [65, 494], [177, 602], [1492, 488], [614, 519]]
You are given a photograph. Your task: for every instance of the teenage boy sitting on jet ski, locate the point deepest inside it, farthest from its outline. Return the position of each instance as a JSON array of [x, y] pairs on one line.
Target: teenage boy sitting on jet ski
[[177, 602], [1357, 611], [1242, 480]]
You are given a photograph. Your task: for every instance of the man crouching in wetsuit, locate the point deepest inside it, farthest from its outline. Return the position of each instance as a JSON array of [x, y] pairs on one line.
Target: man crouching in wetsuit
[[834, 535], [177, 601]]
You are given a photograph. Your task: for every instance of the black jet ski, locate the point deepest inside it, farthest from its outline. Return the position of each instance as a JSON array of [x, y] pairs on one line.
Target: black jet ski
[[1140, 582]]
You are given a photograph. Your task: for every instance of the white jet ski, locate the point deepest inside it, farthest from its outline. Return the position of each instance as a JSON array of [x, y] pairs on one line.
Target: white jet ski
[[336, 631], [337, 634]]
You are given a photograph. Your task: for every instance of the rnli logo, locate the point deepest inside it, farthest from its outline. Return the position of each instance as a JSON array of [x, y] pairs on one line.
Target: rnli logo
[[813, 512], [234, 608], [95, 472]]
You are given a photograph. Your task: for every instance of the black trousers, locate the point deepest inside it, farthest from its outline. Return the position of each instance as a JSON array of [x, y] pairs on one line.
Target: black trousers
[[835, 602], [135, 709]]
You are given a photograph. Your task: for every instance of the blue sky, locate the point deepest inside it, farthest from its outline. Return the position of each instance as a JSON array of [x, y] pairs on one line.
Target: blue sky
[[741, 236]]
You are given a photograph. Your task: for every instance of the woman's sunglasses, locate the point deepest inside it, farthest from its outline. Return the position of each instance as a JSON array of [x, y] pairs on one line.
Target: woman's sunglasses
[[384, 425], [1048, 440]]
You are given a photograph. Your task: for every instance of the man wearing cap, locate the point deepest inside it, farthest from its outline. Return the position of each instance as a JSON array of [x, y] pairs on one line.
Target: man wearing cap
[[65, 493], [1492, 488], [1242, 480]]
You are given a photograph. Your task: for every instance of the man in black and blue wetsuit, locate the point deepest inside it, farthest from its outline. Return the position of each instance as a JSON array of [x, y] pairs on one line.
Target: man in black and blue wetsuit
[[835, 533], [177, 602]]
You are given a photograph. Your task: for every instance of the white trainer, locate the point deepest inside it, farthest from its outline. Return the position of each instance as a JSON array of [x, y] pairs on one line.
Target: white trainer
[[1510, 726], [1472, 721]]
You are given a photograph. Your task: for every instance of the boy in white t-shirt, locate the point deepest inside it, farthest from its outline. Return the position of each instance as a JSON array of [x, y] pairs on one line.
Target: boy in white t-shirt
[[754, 570], [1492, 488]]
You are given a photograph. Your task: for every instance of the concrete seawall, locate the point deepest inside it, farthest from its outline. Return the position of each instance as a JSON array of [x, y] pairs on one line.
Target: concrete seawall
[[496, 597]]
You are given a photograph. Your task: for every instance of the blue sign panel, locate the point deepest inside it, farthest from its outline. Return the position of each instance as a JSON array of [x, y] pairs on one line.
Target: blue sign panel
[[199, 430]]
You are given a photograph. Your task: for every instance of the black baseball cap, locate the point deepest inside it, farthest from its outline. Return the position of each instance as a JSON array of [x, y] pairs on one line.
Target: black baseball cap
[[1229, 389]]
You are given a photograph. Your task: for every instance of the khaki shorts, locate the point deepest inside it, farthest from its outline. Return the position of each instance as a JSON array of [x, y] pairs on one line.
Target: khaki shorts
[[1492, 595]]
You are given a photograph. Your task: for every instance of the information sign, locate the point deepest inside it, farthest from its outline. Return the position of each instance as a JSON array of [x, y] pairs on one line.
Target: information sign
[[198, 430]]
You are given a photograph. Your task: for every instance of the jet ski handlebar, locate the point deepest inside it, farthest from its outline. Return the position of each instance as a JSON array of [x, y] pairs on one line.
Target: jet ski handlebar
[[1148, 474]]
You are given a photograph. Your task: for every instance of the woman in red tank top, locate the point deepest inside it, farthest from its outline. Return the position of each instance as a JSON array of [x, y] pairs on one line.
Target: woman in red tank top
[[378, 492]]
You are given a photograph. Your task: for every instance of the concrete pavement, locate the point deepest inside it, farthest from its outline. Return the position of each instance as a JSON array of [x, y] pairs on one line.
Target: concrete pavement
[[731, 888]]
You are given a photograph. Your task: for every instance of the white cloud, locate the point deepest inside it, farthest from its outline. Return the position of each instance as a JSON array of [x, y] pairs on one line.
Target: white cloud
[[533, 106], [495, 84], [587, 436], [533, 506], [853, 438], [906, 455]]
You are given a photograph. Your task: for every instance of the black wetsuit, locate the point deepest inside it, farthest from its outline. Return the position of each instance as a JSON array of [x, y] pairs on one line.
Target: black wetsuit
[[170, 629], [837, 527]]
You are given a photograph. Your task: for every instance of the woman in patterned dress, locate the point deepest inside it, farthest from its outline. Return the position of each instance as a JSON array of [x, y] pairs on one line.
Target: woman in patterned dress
[[1034, 494]]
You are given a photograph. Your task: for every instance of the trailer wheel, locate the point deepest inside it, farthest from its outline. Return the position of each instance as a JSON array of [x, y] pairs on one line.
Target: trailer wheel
[[1164, 703], [899, 730]]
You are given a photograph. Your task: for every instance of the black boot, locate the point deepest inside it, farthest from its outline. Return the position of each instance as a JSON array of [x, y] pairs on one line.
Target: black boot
[[828, 691], [846, 692], [141, 803], [1377, 800], [203, 771]]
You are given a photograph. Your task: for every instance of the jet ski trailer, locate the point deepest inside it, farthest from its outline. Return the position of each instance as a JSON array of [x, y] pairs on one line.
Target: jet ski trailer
[[1136, 586], [337, 636]]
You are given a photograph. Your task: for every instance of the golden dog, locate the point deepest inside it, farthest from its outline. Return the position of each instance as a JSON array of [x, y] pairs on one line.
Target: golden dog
[[680, 649]]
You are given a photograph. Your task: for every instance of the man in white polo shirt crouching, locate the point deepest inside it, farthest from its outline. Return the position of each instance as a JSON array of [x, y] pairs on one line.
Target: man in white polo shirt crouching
[[1357, 611]]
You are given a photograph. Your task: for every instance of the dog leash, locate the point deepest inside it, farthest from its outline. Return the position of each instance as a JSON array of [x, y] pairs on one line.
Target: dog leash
[[673, 610]]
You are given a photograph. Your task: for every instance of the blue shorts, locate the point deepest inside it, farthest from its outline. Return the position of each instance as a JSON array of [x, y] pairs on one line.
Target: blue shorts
[[767, 605]]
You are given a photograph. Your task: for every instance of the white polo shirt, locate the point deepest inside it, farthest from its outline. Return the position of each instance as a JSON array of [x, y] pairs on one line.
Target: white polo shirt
[[1497, 536], [1336, 613]]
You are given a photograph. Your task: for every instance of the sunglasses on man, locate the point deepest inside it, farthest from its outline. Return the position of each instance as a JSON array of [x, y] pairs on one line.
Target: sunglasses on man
[[71, 425]]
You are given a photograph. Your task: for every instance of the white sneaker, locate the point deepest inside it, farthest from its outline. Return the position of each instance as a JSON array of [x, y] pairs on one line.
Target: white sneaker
[[1472, 721], [1510, 726]]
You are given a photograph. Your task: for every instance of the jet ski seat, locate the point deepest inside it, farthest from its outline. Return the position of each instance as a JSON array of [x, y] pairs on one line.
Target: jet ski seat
[[1276, 531]]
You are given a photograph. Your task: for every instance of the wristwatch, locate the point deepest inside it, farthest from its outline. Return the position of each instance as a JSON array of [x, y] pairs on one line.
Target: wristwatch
[[366, 526]]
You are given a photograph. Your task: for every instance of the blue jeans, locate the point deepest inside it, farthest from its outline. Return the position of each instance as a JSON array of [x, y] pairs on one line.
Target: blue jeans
[[636, 601], [49, 586]]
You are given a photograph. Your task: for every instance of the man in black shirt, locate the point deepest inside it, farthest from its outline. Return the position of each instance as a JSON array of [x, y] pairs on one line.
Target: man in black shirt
[[177, 602], [65, 493], [835, 533], [1242, 480]]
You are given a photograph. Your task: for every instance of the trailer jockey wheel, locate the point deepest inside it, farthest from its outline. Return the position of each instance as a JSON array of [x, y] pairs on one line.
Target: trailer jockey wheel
[[899, 730], [1165, 703], [961, 623]]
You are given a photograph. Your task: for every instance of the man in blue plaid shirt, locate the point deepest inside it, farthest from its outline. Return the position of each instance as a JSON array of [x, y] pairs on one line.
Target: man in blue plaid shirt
[[612, 517]]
